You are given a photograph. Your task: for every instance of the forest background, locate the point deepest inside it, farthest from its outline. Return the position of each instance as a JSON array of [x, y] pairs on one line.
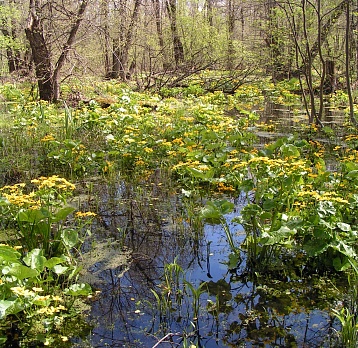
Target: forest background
[[160, 43]]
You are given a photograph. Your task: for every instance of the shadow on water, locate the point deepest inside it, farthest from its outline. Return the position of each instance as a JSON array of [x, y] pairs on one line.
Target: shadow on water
[[142, 228]]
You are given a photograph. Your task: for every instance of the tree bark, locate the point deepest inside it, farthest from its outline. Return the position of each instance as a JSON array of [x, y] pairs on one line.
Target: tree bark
[[178, 48], [40, 53], [347, 70], [122, 46], [231, 34], [66, 49], [47, 77]]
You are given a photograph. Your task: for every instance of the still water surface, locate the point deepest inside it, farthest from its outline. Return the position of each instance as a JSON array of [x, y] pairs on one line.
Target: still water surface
[[145, 227]]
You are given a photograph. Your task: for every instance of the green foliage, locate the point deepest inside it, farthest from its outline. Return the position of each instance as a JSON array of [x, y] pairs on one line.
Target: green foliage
[[38, 287], [298, 211], [32, 295]]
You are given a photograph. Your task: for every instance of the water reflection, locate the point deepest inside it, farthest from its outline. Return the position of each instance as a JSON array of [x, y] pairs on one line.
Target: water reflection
[[289, 116], [153, 226]]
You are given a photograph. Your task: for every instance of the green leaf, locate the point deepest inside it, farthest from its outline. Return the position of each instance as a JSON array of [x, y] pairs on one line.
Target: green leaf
[[341, 264], [33, 215], [344, 249], [214, 212], [202, 174], [352, 174], [233, 261], [8, 307], [289, 150], [315, 247], [344, 227], [280, 236], [63, 213], [270, 204], [70, 238], [8, 254], [20, 271], [55, 261], [78, 290], [35, 259], [22, 216], [59, 269], [326, 208]]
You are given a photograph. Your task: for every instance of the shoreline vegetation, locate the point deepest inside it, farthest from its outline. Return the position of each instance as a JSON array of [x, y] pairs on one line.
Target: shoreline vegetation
[[300, 189]]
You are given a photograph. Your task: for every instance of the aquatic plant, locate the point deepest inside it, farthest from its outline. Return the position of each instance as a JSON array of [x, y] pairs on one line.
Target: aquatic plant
[[37, 296]]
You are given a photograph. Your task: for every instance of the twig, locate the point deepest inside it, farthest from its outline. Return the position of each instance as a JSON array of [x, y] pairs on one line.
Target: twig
[[170, 334]]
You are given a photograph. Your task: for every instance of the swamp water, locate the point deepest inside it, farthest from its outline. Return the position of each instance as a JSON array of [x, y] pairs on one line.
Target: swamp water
[[205, 302], [167, 280]]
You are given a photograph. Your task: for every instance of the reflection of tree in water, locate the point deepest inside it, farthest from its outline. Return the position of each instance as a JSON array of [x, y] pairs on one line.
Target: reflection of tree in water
[[146, 221], [278, 314], [150, 226]]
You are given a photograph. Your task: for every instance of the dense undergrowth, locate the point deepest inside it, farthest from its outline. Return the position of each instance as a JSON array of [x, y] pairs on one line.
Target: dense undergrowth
[[301, 189]]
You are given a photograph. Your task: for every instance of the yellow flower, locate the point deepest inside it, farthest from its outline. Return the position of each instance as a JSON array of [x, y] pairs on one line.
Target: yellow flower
[[47, 138], [37, 289], [53, 181], [22, 291], [80, 214], [57, 298]]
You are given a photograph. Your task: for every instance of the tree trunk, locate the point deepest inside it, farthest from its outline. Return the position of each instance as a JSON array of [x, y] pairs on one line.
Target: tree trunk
[[158, 25], [209, 12], [40, 53], [178, 48], [347, 70], [330, 83], [122, 46], [276, 67], [231, 33], [48, 79], [107, 46]]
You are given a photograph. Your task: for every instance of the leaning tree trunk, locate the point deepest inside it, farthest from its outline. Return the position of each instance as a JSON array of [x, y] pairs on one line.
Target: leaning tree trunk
[[66, 49]]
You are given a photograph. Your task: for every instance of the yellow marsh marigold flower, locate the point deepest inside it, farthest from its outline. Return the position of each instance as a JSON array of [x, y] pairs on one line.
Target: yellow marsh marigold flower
[[225, 188], [148, 150], [53, 181], [37, 289], [57, 298], [80, 214], [20, 199], [22, 291], [48, 137]]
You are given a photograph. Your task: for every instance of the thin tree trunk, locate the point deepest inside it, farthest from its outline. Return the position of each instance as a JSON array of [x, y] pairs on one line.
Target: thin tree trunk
[[209, 12], [323, 62], [231, 32], [122, 46], [107, 45], [66, 49], [158, 25], [348, 63], [128, 42]]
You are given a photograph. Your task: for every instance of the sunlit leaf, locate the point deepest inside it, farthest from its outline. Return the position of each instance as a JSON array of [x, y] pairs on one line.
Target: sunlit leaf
[[78, 290], [35, 259], [20, 271], [8, 254], [9, 307], [70, 237]]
